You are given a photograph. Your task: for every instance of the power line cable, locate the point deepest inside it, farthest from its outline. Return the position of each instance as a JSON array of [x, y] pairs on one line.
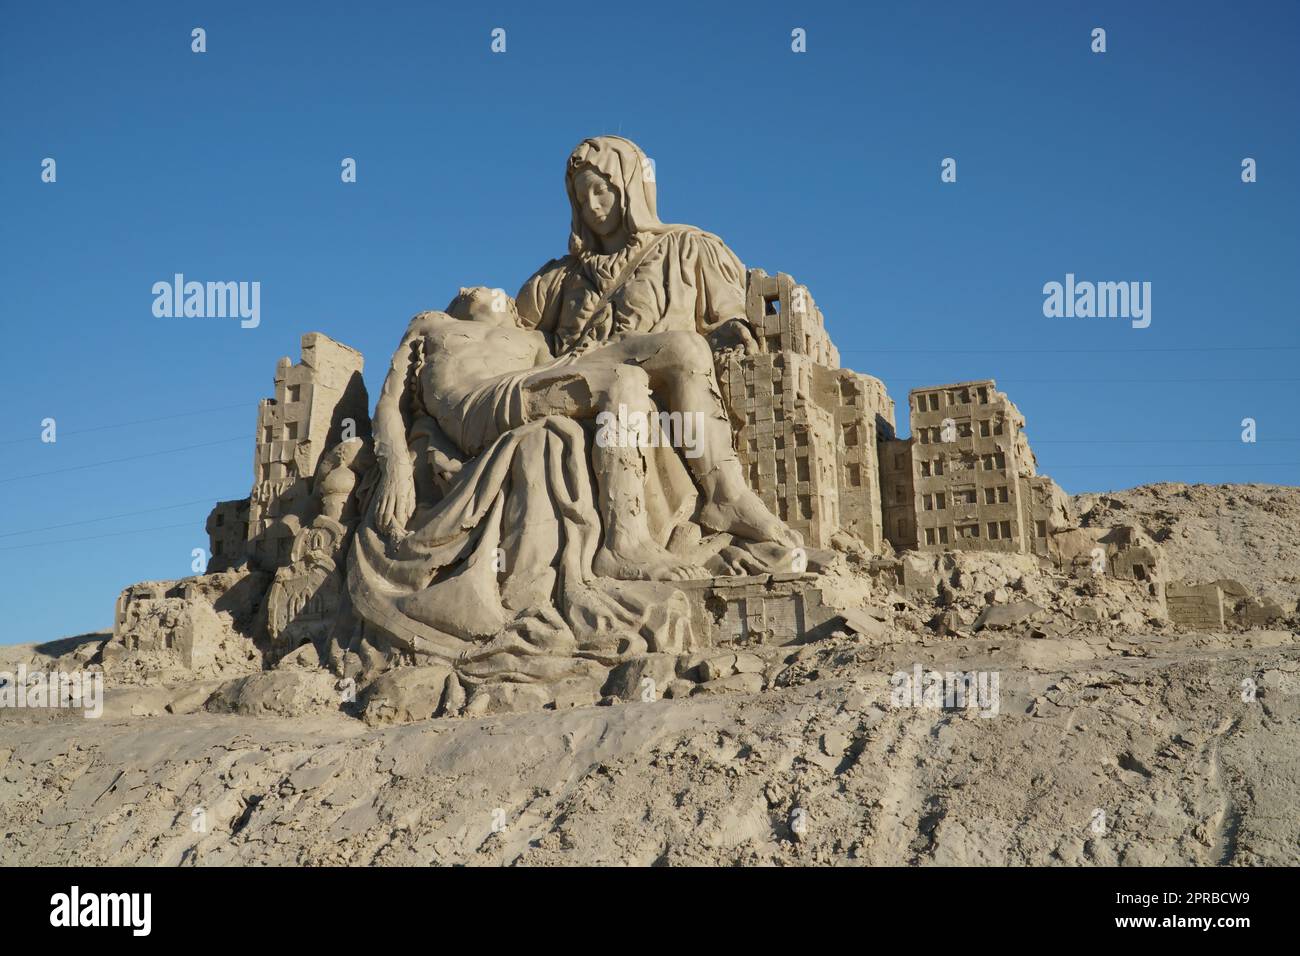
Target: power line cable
[[118, 461], [93, 537], [139, 421], [125, 514], [1165, 464], [1155, 441], [1142, 381], [1075, 351]]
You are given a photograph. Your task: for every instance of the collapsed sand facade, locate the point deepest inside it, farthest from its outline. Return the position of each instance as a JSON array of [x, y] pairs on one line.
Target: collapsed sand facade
[[818, 443], [948, 531]]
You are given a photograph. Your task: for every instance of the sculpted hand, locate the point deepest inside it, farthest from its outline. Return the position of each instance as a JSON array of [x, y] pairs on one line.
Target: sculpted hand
[[396, 497], [734, 335]]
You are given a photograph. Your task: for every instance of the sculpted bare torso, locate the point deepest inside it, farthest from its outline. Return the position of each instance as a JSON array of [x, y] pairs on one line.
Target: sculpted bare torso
[[460, 357]]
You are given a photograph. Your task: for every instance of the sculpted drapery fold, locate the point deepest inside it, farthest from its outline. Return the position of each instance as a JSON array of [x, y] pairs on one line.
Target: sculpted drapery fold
[[547, 554]]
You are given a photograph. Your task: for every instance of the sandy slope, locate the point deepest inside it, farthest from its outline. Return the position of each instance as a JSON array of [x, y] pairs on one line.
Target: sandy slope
[[1154, 735], [1151, 730], [1247, 532]]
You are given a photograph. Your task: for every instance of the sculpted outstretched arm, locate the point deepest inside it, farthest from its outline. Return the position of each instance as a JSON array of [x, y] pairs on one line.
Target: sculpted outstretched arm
[[393, 412]]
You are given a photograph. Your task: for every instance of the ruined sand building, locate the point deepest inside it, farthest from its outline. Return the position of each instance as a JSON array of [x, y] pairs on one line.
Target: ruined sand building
[[817, 443], [318, 402], [273, 567], [819, 446], [970, 476], [806, 429]]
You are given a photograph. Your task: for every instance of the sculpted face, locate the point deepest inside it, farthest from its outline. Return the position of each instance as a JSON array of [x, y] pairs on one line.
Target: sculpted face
[[599, 202], [481, 304]]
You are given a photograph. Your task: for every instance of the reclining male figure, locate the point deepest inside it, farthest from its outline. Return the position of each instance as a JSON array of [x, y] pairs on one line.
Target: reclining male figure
[[478, 373]]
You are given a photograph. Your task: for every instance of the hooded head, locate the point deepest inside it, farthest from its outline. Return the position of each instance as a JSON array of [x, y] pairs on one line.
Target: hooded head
[[630, 197]]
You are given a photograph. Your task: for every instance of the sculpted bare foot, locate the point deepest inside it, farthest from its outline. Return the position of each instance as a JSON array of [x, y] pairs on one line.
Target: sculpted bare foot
[[644, 561], [745, 516]]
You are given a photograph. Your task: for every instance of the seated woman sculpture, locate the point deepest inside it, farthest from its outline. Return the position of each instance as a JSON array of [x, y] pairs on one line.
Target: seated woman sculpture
[[518, 566], [634, 291]]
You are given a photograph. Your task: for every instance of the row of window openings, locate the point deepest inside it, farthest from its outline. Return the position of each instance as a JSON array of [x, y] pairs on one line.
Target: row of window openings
[[989, 427], [778, 415], [996, 530], [961, 396], [852, 437], [775, 346], [800, 441], [805, 508], [966, 496], [290, 432], [802, 473], [995, 461], [292, 394]]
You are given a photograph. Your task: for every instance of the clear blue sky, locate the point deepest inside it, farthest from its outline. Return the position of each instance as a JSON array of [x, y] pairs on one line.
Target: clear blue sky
[[225, 166]]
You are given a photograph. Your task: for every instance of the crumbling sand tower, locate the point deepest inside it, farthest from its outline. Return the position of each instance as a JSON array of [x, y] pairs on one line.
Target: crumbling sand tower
[[897, 492], [1049, 509], [785, 318], [317, 402], [227, 529], [975, 483], [806, 429]]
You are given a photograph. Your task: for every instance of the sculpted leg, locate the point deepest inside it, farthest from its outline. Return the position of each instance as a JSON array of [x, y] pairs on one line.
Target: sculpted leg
[[628, 551], [680, 366]]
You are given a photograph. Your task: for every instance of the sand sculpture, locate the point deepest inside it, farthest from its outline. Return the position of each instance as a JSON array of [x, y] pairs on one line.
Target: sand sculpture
[[649, 454]]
